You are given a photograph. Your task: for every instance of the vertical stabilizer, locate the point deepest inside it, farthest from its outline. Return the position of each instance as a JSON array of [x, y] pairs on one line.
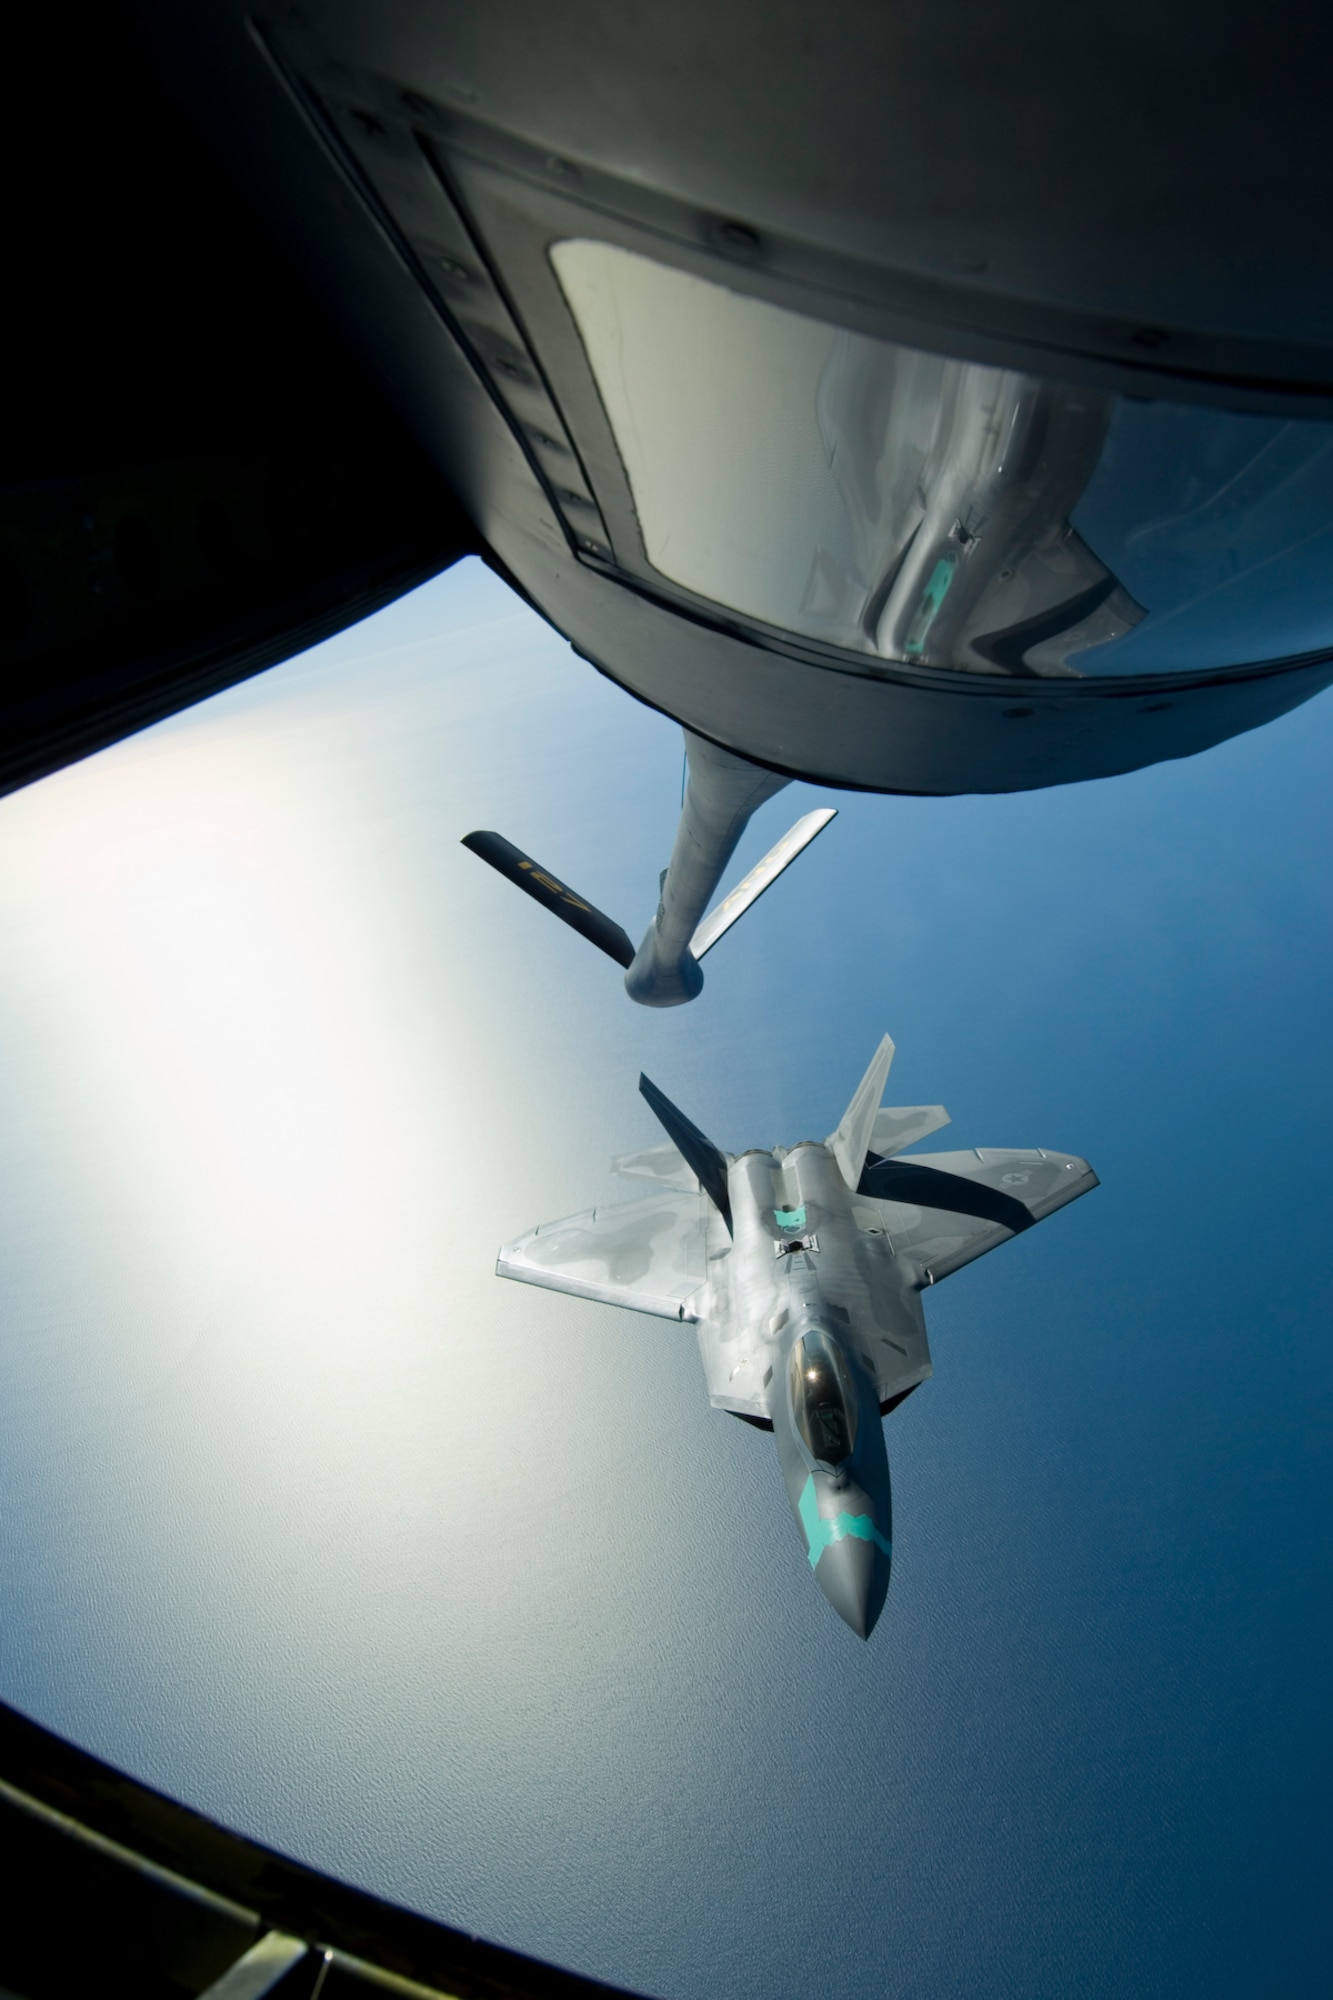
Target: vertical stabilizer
[[851, 1142], [708, 1165]]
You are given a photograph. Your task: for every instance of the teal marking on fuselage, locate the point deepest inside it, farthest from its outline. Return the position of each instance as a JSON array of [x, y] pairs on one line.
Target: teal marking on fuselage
[[789, 1218], [821, 1534]]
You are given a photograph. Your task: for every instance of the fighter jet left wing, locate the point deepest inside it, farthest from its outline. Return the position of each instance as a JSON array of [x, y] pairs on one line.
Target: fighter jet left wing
[[942, 1210], [649, 1256]]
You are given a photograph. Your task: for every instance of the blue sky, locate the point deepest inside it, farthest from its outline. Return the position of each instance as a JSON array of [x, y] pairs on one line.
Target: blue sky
[[460, 1588]]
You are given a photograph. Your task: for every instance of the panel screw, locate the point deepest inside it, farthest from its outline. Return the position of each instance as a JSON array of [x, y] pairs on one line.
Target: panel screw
[[1017, 712], [739, 236], [452, 269]]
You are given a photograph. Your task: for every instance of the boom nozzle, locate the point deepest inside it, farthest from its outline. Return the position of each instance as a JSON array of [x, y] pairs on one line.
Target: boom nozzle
[[723, 792]]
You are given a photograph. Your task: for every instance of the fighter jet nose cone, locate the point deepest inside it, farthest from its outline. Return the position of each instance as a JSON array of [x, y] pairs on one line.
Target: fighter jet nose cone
[[854, 1576]]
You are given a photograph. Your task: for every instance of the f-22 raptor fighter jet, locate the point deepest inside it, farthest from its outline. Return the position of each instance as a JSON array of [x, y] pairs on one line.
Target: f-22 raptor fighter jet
[[802, 1269]]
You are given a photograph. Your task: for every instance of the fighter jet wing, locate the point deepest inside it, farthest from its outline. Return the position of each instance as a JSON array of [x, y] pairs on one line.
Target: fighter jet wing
[[942, 1210], [647, 1255]]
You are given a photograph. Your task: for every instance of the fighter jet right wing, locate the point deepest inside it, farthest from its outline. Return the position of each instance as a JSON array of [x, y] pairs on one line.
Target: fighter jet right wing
[[649, 1256], [942, 1210]]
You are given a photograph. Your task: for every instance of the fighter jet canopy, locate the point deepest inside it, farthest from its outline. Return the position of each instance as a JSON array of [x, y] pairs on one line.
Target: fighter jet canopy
[[823, 1400]]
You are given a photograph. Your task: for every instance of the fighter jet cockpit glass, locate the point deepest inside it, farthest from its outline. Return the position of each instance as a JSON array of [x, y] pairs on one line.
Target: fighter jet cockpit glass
[[823, 1399], [941, 512]]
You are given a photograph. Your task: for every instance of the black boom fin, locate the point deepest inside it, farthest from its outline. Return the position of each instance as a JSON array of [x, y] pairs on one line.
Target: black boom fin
[[552, 894], [699, 1153]]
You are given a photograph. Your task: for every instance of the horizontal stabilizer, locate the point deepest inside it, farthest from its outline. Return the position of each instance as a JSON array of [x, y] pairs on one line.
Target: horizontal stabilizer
[[552, 894], [664, 1164], [762, 877], [899, 1126], [701, 1155]]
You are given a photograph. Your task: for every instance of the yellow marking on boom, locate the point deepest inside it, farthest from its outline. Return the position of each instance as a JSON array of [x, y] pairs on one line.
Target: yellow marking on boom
[[556, 888]]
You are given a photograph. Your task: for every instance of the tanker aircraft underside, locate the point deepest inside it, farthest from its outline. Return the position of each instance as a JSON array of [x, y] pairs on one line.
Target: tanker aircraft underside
[[802, 1269]]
